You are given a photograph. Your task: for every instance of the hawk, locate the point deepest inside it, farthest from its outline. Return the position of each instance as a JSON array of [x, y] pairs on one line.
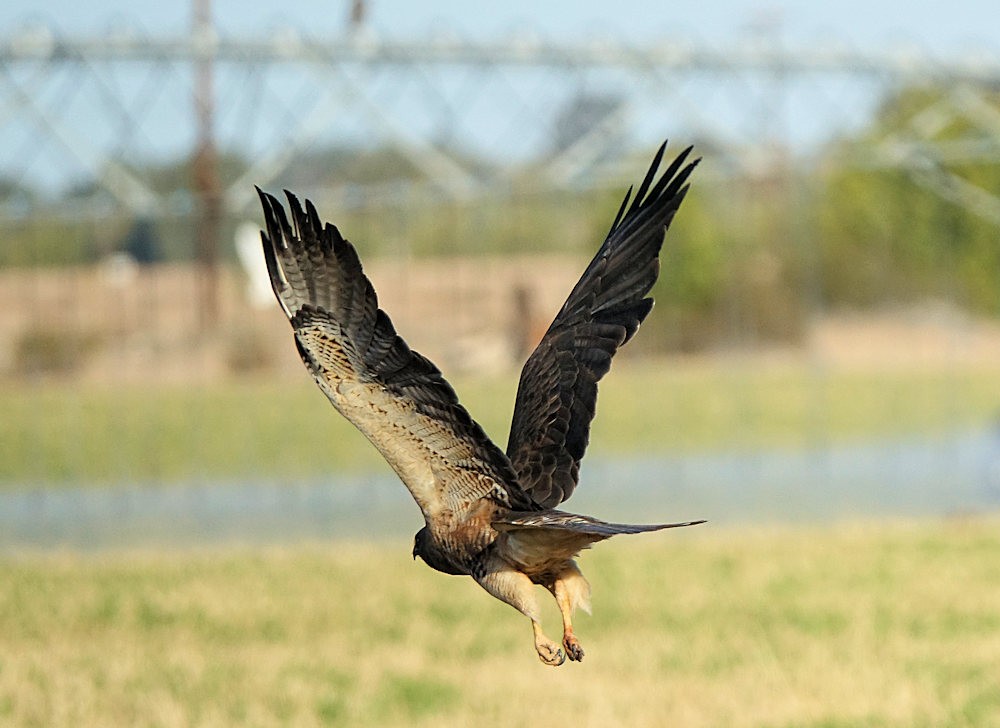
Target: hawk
[[488, 514]]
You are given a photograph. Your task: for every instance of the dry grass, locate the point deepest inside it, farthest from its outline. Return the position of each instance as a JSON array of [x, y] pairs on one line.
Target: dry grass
[[836, 626]]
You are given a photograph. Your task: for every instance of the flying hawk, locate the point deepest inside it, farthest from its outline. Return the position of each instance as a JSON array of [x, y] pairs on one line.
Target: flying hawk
[[487, 514]]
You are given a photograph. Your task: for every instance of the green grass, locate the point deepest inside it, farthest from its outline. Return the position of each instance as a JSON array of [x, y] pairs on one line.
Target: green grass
[[269, 428], [850, 625]]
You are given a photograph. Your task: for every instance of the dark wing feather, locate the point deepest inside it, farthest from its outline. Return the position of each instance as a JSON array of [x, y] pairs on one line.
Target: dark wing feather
[[557, 393], [395, 396]]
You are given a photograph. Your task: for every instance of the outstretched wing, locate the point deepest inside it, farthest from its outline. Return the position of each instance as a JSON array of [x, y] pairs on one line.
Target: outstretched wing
[[395, 396], [543, 536], [557, 393]]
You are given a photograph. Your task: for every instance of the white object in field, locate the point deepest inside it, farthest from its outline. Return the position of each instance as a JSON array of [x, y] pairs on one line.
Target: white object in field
[[248, 250]]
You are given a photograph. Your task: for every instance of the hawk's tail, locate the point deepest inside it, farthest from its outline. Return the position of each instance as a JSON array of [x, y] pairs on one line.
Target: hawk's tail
[[570, 522]]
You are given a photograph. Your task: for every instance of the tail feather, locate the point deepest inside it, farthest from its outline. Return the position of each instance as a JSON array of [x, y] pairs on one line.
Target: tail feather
[[585, 525]]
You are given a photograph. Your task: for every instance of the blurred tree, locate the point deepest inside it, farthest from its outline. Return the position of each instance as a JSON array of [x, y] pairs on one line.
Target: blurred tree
[[884, 239], [12, 190]]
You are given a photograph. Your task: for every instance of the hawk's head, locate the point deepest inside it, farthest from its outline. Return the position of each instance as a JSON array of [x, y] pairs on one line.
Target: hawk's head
[[427, 548]]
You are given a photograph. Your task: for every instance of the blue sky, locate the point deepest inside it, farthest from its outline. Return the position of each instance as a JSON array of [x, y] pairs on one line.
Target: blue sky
[[956, 27]]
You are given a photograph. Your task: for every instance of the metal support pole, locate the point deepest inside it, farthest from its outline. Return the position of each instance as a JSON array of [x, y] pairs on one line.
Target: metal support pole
[[204, 164]]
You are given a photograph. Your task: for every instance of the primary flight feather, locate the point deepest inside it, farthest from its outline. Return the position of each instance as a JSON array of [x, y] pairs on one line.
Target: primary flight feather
[[487, 513]]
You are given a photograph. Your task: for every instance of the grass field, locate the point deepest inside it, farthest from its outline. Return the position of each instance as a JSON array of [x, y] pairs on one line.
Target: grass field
[[286, 429], [896, 625]]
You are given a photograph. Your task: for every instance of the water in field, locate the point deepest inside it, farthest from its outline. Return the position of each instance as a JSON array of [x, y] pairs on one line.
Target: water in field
[[904, 477]]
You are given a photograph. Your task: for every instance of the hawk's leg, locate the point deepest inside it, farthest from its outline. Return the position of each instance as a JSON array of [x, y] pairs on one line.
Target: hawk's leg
[[571, 590], [548, 651], [511, 586], [573, 649]]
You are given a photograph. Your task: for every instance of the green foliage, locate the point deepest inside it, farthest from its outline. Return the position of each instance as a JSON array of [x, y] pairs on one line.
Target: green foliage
[[346, 165], [526, 221], [176, 176], [731, 270], [747, 259], [885, 240], [44, 241]]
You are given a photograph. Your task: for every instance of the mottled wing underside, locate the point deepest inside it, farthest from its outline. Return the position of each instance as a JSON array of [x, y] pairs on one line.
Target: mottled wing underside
[[397, 398], [557, 392]]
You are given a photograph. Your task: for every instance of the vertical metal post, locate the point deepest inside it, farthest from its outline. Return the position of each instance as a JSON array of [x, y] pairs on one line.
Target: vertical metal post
[[204, 164], [359, 12]]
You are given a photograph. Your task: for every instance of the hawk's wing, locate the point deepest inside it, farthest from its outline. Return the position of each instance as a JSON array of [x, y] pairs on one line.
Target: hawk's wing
[[557, 393], [395, 396]]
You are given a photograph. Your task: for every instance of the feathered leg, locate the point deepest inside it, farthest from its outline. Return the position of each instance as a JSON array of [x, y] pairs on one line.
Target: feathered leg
[[571, 590], [511, 586]]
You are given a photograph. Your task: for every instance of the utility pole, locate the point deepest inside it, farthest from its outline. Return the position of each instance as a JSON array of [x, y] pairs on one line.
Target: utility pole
[[359, 12], [204, 166]]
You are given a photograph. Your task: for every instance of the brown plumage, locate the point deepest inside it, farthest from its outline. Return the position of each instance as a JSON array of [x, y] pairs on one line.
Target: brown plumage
[[487, 514]]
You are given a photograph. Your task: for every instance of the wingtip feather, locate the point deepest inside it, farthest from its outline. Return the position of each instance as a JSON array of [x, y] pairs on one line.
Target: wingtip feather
[[650, 176]]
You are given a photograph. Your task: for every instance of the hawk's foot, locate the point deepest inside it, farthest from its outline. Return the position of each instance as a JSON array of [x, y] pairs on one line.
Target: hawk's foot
[[550, 653], [574, 650]]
